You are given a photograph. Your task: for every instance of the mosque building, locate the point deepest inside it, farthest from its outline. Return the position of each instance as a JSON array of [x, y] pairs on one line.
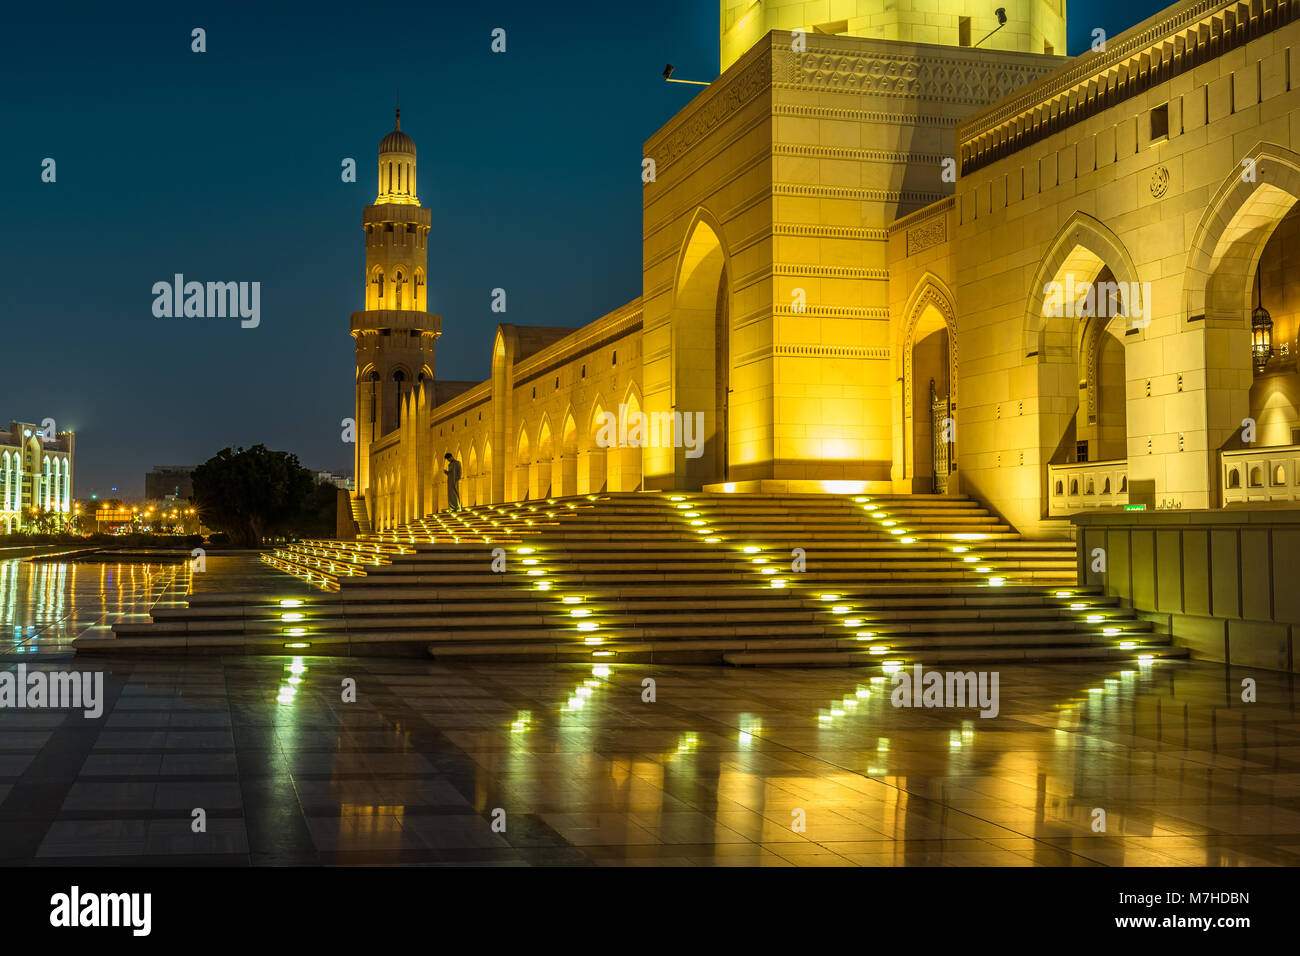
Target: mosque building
[[901, 251]]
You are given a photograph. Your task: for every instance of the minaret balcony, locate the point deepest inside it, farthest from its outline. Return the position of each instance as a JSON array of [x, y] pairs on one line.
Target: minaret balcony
[[406, 320]]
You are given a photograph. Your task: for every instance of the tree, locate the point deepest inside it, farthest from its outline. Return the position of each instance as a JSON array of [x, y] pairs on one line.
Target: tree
[[250, 493]]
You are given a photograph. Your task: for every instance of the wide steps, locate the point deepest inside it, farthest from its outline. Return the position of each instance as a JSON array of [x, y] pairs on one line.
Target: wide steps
[[913, 575]]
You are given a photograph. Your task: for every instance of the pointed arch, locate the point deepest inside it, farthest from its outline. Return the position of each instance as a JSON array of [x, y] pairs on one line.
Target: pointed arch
[[569, 434], [545, 440], [1232, 232], [522, 445], [930, 296], [701, 353], [1081, 247], [594, 418], [485, 477]]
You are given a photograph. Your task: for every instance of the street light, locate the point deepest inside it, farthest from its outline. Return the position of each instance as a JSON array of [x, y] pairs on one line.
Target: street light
[[668, 75]]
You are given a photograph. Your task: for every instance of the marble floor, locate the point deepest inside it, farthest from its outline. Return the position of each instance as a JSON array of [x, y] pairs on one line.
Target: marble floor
[[573, 765]]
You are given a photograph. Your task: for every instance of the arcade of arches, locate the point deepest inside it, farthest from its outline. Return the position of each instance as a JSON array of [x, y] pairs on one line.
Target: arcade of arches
[[1074, 324]]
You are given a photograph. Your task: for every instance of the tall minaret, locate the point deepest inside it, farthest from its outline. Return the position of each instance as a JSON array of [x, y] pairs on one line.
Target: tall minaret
[[396, 333]]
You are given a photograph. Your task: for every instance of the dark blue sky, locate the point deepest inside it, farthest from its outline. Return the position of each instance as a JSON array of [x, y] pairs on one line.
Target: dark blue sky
[[225, 166]]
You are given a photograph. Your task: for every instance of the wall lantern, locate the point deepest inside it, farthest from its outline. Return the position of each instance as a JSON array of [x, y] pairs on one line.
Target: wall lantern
[[1261, 332]]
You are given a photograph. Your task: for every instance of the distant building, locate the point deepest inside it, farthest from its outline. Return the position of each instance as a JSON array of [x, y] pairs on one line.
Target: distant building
[[338, 481], [169, 481], [35, 475]]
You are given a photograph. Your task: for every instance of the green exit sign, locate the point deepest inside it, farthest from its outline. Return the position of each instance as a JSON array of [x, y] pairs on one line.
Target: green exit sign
[[1135, 507]]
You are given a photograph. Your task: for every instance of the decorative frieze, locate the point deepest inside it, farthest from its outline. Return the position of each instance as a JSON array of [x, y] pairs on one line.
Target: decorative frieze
[[927, 234]]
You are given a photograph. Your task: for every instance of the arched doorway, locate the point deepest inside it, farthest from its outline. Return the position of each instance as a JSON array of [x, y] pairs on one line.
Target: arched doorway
[[927, 453], [540, 485], [1085, 306], [523, 464], [1241, 258], [566, 481], [593, 457], [701, 345]]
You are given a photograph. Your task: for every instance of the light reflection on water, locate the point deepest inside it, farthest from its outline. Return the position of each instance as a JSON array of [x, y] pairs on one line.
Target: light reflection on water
[[45, 604]]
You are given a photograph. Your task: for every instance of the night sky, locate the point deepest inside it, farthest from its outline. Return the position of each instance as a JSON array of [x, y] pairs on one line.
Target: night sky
[[224, 166]]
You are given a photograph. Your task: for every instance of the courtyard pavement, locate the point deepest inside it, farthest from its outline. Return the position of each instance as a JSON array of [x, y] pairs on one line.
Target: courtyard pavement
[[536, 764]]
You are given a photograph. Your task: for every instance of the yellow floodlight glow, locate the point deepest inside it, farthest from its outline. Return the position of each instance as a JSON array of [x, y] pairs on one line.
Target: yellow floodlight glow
[[712, 540], [768, 570], [878, 649], [572, 599], [1094, 618], [525, 550], [841, 609], [1110, 631], [997, 582], [543, 585], [536, 571], [751, 549], [891, 667], [530, 560], [1076, 606], [1127, 644], [676, 498], [1146, 658], [829, 597], [579, 612], [587, 625], [1064, 594], [593, 640], [291, 616], [959, 549], [298, 644], [908, 540], [778, 582], [853, 622], [291, 602]]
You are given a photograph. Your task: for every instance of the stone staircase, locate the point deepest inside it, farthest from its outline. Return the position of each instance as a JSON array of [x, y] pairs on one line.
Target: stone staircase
[[360, 515], [678, 577]]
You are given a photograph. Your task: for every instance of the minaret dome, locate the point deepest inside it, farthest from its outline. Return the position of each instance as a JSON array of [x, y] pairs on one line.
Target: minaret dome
[[397, 168]]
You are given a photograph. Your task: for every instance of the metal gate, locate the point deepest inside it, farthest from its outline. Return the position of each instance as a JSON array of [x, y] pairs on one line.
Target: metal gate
[[943, 441]]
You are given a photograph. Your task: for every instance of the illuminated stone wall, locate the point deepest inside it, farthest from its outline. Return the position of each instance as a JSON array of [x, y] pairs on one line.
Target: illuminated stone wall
[[1033, 26], [1129, 160]]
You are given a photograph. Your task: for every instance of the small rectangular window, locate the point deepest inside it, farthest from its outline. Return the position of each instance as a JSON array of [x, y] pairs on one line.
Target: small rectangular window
[[963, 31], [1160, 122], [1081, 451]]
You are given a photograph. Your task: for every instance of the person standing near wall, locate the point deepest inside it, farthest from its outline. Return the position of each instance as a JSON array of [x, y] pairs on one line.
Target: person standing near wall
[[453, 482]]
